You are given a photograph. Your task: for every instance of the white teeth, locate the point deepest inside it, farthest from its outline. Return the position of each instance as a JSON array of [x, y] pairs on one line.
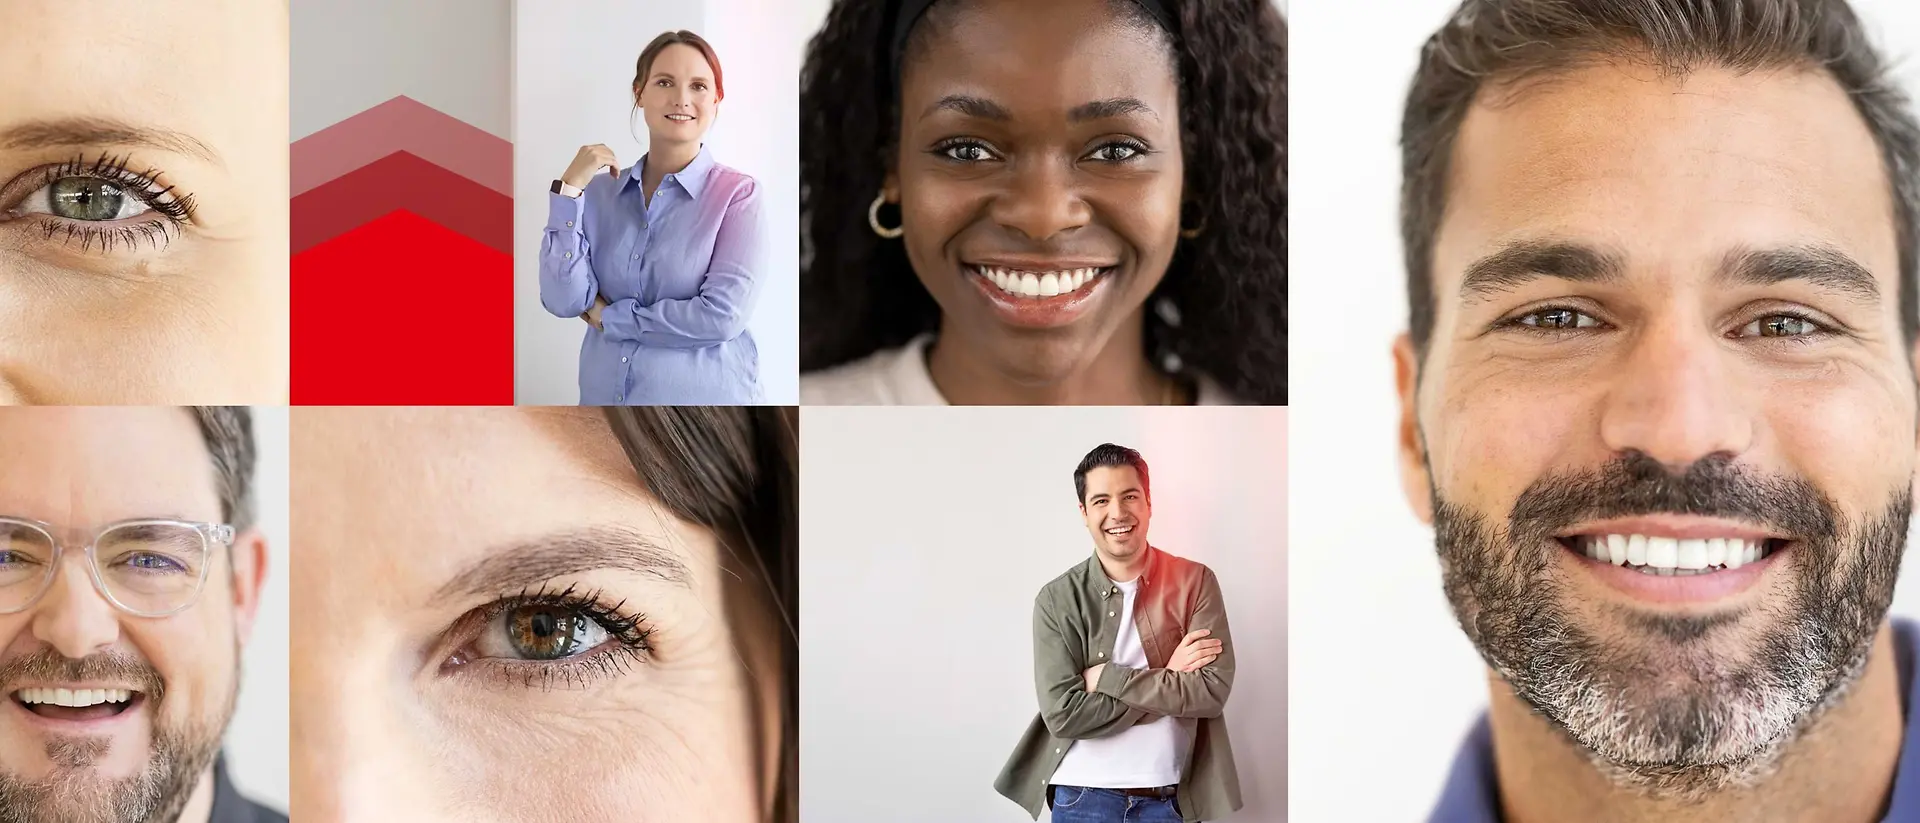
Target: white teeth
[[1038, 284], [1663, 552], [1669, 556], [75, 698], [1692, 555]]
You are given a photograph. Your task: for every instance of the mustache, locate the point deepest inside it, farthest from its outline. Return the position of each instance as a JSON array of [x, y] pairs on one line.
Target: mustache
[[115, 666], [1635, 483]]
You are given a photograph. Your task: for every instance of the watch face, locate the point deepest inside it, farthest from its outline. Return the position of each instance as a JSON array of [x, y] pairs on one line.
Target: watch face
[[556, 187]]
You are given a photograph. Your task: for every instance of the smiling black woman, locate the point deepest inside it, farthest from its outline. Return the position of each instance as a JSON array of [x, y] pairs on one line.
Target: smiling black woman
[[993, 218]]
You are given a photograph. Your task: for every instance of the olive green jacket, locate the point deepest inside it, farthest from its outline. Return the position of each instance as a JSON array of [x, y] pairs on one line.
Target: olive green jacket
[[1075, 623]]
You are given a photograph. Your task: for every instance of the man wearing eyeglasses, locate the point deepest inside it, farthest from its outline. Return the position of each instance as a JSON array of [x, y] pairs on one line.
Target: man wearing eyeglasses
[[130, 574]]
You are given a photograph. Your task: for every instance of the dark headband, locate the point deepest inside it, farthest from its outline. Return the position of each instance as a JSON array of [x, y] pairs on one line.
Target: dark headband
[[908, 12]]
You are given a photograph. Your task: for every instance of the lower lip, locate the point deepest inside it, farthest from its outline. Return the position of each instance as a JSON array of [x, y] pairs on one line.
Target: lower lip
[[1041, 312], [1696, 588], [680, 120], [100, 725]]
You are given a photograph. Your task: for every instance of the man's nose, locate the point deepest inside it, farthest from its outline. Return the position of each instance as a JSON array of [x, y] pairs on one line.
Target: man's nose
[[72, 617]]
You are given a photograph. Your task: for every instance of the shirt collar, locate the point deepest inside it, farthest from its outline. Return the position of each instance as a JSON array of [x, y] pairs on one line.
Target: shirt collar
[[1098, 583], [692, 179]]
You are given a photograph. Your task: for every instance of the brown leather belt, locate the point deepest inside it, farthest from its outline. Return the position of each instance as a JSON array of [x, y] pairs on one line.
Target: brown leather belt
[[1163, 791]]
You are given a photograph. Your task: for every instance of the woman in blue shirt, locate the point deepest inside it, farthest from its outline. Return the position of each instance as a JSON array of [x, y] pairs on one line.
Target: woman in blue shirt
[[662, 259]]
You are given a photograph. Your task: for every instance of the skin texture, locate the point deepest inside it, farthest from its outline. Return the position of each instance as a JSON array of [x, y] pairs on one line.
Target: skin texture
[[203, 318], [1670, 175], [74, 468], [395, 504], [1040, 186]]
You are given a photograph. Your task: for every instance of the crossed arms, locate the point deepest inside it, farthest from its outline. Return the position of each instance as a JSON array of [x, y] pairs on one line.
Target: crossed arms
[[1195, 684]]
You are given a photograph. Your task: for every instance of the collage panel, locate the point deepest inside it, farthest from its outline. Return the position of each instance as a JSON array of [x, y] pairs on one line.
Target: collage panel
[[545, 613], [143, 614], [143, 203], [1623, 424], [1078, 202], [979, 647], [402, 211], [655, 182]]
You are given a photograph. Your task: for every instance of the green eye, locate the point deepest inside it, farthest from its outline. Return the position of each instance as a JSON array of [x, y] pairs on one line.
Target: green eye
[[1781, 325]]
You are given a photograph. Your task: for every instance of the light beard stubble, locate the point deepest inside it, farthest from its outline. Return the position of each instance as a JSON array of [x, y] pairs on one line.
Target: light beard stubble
[[73, 793], [1729, 718]]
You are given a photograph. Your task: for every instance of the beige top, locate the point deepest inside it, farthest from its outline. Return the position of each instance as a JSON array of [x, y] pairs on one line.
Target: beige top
[[899, 377]]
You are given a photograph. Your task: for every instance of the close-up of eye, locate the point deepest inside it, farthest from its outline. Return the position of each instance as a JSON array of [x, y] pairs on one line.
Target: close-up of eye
[[1782, 326], [965, 151], [1118, 151], [1554, 319], [549, 639], [101, 205]]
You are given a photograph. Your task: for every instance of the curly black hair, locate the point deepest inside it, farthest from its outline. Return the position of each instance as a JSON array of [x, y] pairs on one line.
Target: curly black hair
[[859, 295]]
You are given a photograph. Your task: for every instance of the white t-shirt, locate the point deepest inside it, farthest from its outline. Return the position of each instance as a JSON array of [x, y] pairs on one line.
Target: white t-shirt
[[1145, 756], [899, 377]]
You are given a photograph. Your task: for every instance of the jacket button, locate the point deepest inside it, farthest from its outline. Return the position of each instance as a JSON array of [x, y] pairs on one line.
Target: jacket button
[[1103, 654]]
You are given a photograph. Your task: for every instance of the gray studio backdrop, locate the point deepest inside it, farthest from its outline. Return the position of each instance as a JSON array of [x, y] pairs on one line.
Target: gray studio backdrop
[[927, 532]]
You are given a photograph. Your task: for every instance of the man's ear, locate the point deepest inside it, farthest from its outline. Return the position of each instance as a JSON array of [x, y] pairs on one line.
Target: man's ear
[[249, 577], [1415, 474]]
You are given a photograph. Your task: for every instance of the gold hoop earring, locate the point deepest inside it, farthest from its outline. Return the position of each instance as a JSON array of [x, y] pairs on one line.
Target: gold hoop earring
[[873, 219], [1194, 232]]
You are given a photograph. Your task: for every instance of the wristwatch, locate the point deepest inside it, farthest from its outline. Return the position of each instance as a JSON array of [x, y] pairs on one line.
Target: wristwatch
[[565, 190]]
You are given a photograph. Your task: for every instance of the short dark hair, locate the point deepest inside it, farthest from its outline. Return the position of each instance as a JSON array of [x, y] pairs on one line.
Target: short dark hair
[[1489, 40], [644, 66], [1109, 455], [228, 431]]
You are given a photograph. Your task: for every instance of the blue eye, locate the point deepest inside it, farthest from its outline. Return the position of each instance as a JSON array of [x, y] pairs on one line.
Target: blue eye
[[1782, 325], [154, 563]]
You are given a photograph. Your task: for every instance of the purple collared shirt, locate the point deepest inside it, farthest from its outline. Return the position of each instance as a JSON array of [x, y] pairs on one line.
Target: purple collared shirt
[[680, 276], [1472, 793]]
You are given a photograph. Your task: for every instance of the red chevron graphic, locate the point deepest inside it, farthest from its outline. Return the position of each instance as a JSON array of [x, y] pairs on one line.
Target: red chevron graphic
[[402, 181], [402, 311], [402, 124]]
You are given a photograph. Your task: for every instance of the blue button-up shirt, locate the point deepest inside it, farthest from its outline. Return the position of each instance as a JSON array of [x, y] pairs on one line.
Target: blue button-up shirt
[[680, 275], [1472, 794]]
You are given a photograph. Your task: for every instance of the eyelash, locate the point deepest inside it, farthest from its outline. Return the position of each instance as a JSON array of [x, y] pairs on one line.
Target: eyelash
[[174, 210], [944, 149], [1820, 329], [627, 641]]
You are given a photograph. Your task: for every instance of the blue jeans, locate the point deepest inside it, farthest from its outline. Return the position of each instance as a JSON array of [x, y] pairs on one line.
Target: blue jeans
[[1073, 804]]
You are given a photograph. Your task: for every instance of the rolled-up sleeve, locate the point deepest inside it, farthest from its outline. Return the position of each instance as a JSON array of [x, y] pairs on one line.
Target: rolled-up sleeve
[[567, 286], [721, 309]]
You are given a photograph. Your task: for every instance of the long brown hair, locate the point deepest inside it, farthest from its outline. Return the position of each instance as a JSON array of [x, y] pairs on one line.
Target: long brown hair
[[644, 66], [735, 470]]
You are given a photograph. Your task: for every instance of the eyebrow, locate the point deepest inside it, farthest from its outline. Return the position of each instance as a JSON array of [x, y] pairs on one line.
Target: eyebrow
[[970, 106], [671, 76], [1115, 107], [102, 131], [528, 564], [1824, 267], [1523, 262]]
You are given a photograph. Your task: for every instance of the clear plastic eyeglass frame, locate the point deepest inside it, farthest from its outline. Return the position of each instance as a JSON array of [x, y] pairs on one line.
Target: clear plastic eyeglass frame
[[212, 536]]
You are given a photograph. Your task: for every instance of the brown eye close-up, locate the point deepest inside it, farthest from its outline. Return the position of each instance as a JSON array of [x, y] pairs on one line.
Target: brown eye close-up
[[482, 589]]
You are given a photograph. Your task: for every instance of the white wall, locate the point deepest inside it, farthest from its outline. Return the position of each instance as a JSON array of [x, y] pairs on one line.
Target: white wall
[[1384, 682], [256, 741], [927, 533], [572, 86]]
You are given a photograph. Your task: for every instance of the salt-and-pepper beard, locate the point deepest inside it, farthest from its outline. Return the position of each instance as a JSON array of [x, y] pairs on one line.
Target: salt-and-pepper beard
[[1661, 721], [74, 792]]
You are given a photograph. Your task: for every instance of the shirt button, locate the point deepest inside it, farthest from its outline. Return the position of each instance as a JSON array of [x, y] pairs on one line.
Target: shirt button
[[618, 398], [569, 224], [569, 255], [1109, 614], [1056, 751], [1103, 654], [636, 257], [623, 360]]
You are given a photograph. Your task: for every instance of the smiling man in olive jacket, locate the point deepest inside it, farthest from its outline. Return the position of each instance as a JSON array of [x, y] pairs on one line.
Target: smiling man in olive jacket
[[1133, 663]]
